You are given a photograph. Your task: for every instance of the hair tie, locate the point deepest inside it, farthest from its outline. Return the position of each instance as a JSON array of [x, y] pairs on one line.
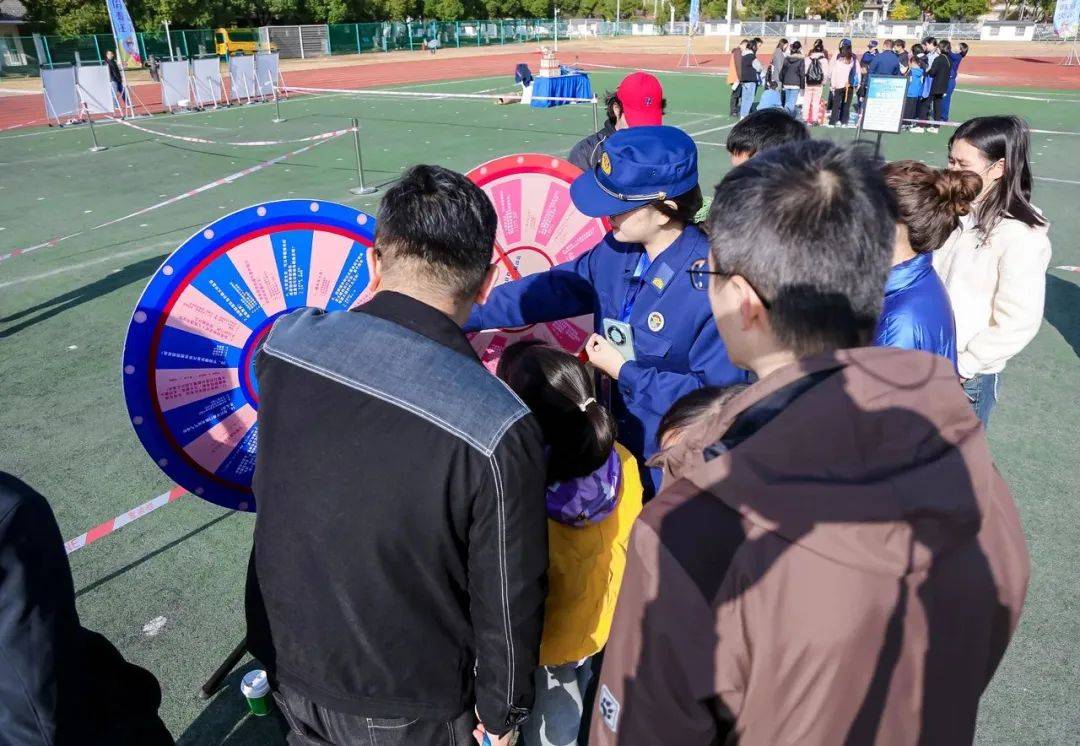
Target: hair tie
[[584, 406]]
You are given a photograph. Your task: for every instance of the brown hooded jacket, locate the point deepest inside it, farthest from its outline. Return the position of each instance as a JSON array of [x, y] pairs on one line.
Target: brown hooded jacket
[[834, 560]]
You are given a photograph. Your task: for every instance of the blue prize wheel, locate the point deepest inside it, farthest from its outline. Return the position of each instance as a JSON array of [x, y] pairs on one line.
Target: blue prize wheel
[[189, 356]]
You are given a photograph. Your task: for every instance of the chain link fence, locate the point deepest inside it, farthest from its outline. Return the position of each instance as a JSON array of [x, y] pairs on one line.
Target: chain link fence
[[25, 55]]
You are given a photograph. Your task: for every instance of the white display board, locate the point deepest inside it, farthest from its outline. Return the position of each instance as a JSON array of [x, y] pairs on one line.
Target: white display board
[[61, 96], [174, 83], [266, 73], [1067, 19], [96, 89], [208, 83], [242, 77], [884, 107]]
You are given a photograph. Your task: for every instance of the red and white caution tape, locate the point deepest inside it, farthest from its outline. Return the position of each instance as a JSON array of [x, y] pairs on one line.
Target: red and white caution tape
[[120, 521], [172, 200], [246, 143], [429, 95]]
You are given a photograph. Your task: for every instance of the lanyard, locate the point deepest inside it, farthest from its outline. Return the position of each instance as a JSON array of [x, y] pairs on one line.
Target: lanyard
[[636, 283]]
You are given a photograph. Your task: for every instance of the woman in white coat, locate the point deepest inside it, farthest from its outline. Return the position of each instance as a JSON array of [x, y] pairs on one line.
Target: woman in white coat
[[994, 264]]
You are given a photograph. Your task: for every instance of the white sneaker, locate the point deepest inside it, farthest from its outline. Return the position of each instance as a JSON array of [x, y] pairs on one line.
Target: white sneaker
[[917, 129], [829, 125], [932, 130]]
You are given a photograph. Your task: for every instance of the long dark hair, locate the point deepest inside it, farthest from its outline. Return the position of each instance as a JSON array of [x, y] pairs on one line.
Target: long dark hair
[[819, 46], [945, 47], [557, 387], [686, 209], [930, 200], [1003, 138], [845, 53]]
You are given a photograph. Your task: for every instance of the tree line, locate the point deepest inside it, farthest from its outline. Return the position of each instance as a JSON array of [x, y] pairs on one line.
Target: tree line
[[71, 17]]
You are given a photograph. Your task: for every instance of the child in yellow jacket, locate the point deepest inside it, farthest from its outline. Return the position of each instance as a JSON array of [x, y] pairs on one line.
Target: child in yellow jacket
[[593, 496]]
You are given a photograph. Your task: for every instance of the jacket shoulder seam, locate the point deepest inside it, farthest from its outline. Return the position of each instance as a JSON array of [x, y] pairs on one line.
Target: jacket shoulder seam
[[486, 449]]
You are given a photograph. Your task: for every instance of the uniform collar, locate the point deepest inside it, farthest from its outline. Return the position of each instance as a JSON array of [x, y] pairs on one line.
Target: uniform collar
[[670, 260], [908, 272], [419, 317]]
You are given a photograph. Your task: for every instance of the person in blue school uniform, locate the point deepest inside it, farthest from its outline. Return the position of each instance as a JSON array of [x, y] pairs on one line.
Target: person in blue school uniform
[[646, 182], [917, 314]]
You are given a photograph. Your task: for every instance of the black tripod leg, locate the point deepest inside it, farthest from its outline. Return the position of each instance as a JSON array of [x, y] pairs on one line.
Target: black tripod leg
[[223, 670]]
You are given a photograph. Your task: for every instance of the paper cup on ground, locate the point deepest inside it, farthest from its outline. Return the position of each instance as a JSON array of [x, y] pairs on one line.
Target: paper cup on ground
[[256, 689]]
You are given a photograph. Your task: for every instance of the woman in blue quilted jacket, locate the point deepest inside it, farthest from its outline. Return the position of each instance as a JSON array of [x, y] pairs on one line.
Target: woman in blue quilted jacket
[[917, 314]]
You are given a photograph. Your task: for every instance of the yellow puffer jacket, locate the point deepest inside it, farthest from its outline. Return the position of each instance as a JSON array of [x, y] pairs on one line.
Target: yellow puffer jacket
[[585, 573]]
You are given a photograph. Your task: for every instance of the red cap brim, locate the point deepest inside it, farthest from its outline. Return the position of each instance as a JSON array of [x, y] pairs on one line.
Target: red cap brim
[[650, 117]]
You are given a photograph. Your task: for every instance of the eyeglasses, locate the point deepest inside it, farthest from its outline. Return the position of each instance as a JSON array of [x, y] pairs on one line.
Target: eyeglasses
[[699, 278], [699, 274]]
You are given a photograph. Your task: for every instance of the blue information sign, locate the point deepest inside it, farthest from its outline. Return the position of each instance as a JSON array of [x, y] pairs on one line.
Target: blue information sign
[[188, 360], [884, 107]]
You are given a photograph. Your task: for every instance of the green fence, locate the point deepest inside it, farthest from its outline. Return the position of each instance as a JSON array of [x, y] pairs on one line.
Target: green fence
[[23, 56], [356, 38], [19, 56]]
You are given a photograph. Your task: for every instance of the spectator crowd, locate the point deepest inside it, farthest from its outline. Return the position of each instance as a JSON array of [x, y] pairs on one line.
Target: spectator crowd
[[795, 80]]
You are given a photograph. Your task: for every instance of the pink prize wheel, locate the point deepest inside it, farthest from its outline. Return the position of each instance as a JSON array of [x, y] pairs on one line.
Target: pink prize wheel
[[539, 227]]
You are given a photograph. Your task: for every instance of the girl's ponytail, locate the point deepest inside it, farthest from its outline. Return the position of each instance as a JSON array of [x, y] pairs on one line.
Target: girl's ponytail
[[559, 389]]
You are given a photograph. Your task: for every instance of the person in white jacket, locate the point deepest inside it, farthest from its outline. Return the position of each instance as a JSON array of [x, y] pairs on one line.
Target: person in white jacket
[[994, 264]]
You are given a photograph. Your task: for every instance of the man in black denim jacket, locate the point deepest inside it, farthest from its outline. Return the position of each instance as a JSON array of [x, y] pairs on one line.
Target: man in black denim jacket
[[397, 580]]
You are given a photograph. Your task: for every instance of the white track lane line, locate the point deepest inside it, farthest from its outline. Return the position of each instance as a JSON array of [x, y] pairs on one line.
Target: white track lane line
[[713, 129], [1057, 181]]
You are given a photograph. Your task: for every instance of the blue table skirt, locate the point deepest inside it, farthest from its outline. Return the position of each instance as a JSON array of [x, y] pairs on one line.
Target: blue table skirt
[[564, 86]]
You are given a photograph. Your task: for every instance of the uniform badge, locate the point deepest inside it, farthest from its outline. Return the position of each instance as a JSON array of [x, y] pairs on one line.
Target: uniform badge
[[605, 164], [656, 321], [609, 709]]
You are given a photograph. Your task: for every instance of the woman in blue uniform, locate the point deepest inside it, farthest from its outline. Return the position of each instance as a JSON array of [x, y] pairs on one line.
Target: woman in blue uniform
[[635, 283]]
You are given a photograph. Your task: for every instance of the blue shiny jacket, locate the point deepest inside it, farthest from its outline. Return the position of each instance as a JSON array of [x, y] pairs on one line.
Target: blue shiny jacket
[[677, 346], [917, 314]]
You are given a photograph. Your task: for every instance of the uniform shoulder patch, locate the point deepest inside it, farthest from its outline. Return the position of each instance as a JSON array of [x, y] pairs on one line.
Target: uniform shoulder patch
[[609, 709], [605, 164]]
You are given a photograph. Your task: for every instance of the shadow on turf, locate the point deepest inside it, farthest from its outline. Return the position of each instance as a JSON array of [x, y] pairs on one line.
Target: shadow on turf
[[150, 555], [226, 719], [1063, 309], [75, 298]]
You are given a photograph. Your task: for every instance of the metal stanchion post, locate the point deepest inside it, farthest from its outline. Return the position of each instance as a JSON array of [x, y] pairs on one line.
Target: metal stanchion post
[[97, 148], [361, 189], [595, 114], [277, 104]]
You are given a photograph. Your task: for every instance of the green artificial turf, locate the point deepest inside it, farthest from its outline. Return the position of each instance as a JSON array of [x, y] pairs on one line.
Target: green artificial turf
[[64, 311]]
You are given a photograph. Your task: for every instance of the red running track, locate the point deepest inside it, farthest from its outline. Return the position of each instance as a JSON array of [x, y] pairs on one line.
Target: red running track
[[1022, 72]]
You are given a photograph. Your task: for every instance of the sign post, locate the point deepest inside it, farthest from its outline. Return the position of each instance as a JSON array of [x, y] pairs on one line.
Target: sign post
[[1066, 24], [883, 111], [694, 20]]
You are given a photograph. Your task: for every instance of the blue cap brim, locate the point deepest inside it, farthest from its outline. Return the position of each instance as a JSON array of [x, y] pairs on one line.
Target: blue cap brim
[[593, 201]]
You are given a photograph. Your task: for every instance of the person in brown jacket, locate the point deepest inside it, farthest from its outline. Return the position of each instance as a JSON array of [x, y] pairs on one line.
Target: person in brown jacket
[[834, 558]]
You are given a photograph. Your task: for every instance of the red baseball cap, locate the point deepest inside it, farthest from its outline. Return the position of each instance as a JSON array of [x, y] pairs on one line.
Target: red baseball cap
[[641, 96]]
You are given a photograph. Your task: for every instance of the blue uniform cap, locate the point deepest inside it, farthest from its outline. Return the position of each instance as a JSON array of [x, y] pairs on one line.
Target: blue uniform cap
[[637, 166]]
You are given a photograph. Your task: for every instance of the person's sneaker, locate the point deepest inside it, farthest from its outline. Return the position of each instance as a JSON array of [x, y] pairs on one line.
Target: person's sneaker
[[932, 130], [917, 129], [830, 125]]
